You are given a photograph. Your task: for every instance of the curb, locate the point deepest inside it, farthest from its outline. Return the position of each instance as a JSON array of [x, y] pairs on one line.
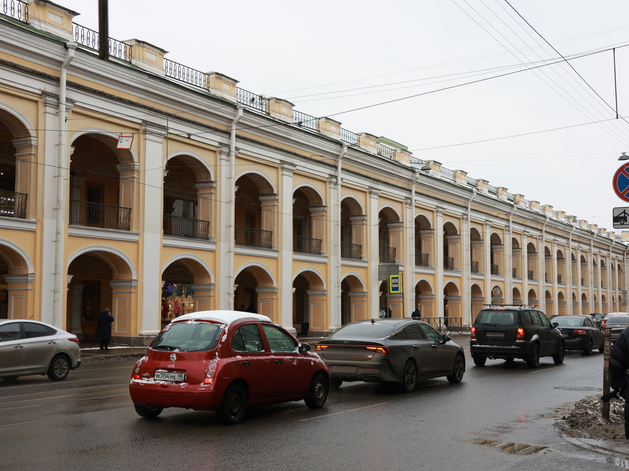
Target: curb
[[110, 358], [600, 446]]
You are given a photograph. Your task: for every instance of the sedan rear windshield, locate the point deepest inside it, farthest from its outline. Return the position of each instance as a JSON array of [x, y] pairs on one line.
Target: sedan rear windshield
[[497, 318], [568, 322], [376, 330], [188, 337]]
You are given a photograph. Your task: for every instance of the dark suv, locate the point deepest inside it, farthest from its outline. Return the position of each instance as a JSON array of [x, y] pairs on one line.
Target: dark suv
[[511, 332]]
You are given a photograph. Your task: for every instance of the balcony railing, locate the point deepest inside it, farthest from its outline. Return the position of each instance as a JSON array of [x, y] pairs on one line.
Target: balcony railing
[[90, 39], [558, 278], [474, 266], [306, 245], [531, 275], [448, 263], [351, 251], [12, 205], [387, 254], [495, 270], [514, 272], [83, 213], [422, 260], [178, 226], [254, 237], [16, 9]]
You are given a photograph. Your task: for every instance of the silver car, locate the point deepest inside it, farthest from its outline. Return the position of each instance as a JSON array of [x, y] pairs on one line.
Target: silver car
[[31, 347], [396, 350]]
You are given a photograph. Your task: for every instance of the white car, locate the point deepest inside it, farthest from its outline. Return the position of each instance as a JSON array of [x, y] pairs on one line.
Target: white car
[[31, 347]]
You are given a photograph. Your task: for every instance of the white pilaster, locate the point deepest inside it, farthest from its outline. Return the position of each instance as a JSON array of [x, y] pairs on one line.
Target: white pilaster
[[152, 207], [286, 245], [374, 259]]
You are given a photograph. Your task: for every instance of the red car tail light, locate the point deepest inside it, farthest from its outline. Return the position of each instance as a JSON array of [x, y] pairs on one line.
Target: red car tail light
[[210, 373], [383, 350], [520, 334], [136, 376], [320, 347], [74, 339], [473, 334], [579, 332]]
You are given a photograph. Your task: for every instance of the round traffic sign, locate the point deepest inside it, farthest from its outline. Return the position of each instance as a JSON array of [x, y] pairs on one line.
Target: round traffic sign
[[621, 182]]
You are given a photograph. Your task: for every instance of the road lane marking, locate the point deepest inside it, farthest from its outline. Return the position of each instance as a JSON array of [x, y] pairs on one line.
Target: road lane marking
[[343, 412]]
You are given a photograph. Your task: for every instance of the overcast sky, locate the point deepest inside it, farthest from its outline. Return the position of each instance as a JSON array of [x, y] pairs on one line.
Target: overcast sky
[[475, 85]]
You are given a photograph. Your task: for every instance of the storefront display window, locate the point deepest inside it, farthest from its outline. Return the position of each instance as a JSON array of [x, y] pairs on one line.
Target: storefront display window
[[177, 300]]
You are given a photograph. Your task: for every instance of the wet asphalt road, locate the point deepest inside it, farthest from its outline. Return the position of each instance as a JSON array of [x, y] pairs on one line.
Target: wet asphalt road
[[87, 422]]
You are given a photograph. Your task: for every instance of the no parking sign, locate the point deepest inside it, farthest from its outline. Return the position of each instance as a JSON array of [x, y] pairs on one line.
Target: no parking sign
[[621, 182]]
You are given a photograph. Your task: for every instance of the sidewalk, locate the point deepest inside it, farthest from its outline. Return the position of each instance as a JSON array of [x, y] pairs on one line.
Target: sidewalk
[[606, 447]]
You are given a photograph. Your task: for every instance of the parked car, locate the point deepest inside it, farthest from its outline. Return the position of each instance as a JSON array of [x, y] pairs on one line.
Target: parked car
[[511, 332], [598, 318], [32, 347], [617, 322], [225, 361], [580, 333], [396, 350]]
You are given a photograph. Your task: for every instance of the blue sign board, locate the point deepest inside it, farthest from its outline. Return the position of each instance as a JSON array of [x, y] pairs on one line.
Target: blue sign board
[[395, 285]]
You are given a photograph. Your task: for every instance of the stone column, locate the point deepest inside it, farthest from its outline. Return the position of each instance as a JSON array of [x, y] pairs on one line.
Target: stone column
[[75, 292], [128, 176], [152, 202], [525, 269], [25, 157], [487, 261], [204, 296], [395, 240], [409, 269], [20, 288], [317, 302], [206, 192], [269, 205], [123, 294], [267, 299]]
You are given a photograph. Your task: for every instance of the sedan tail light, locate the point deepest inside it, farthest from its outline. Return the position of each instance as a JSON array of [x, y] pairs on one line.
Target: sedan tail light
[[320, 348], [473, 334], [520, 334], [383, 350], [74, 339], [579, 332]]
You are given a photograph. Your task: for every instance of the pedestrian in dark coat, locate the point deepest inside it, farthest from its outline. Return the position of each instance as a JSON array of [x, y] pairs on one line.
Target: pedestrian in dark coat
[[104, 328], [416, 314], [618, 365]]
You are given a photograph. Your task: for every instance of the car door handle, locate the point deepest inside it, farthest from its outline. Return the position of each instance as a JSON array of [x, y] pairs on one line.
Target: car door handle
[[246, 363], [279, 362], [433, 345], [19, 346], [52, 343], [415, 346]]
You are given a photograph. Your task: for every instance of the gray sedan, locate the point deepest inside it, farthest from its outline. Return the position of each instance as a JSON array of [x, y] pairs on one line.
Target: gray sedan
[[396, 350], [32, 347]]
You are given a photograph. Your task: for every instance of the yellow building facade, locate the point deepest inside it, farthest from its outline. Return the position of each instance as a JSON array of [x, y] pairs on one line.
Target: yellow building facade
[[142, 185]]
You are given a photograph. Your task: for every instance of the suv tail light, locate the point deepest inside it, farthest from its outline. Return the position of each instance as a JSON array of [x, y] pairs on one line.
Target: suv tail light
[[210, 373], [520, 334], [473, 333], [603, 322]]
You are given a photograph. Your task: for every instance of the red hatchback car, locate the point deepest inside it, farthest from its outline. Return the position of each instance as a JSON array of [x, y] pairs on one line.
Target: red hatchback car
[[225, 361]]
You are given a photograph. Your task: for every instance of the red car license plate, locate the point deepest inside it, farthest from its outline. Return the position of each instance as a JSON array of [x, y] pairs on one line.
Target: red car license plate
[[171, 376]]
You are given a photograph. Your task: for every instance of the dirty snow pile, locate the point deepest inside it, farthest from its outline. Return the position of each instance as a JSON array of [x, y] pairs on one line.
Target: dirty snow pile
[[586, 419]]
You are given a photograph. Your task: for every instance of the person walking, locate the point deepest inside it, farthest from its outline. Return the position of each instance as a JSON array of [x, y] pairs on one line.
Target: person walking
[[104, 328], [619, 372]]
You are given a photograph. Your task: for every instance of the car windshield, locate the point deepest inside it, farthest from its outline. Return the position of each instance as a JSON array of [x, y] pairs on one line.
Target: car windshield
[[568, 322], [496, 317], [376, 330], [188, 337]]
